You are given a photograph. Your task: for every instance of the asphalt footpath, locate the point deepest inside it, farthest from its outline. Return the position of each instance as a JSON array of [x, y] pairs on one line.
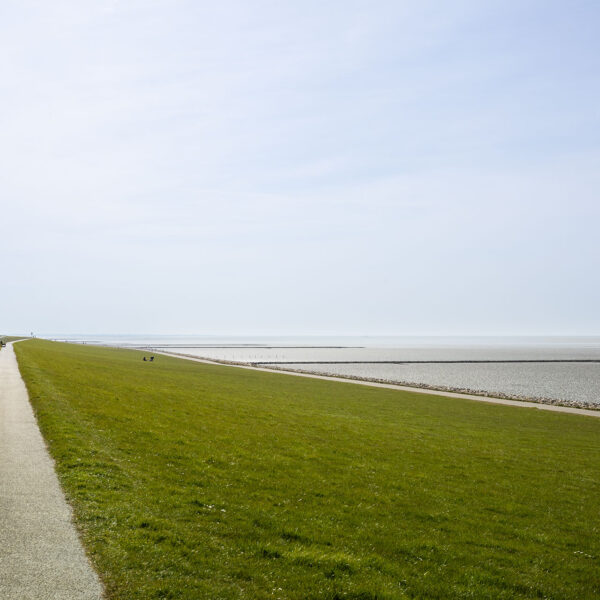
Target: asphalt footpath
[[41, 557]]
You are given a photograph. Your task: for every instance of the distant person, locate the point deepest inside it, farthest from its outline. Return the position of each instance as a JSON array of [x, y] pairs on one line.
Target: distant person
[[151, 358], [144, 359]]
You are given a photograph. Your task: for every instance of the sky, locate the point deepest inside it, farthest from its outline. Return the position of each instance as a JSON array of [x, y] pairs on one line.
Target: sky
[[302, 167]]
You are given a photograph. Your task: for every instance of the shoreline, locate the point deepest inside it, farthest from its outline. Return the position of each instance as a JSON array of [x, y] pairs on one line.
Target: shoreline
[[444, 389], [549, 404]]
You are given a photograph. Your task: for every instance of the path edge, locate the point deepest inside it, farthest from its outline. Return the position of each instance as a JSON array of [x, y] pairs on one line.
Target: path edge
[[72, 518]]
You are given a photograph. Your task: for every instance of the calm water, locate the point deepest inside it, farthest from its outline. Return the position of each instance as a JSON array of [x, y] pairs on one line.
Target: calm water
[[374, 358]]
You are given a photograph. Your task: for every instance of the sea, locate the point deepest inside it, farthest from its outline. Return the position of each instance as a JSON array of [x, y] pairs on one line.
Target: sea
[[559, 370]]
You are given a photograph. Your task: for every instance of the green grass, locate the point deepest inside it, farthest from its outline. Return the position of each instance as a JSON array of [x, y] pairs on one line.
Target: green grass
[[198, 481], [12, 338]]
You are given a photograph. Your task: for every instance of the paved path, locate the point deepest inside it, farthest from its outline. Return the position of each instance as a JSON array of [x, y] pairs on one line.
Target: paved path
[[392, 386], [41, 557]]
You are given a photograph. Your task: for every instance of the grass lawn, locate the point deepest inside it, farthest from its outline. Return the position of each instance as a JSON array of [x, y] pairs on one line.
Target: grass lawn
[[196, 481], [11, 338]]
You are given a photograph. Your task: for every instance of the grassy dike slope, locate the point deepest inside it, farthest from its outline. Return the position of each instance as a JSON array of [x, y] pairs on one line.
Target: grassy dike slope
[[11, 338], [197, 481]]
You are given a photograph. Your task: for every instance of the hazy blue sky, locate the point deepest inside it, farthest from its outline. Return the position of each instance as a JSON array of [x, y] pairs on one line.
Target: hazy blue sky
[[242, 167]]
